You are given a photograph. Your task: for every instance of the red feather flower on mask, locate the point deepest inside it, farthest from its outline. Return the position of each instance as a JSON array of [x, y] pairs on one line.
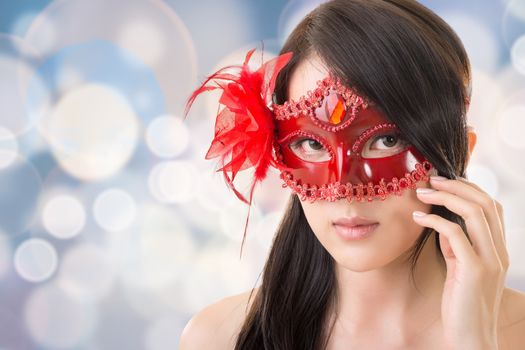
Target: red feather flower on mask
[[244, 128]]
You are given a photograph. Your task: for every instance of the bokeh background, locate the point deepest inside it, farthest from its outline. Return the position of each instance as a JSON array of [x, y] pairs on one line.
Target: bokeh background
[[114, 230]]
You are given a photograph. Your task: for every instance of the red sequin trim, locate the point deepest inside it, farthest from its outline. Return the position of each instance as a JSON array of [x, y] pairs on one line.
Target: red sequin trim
[[359, 192], [314, 99]]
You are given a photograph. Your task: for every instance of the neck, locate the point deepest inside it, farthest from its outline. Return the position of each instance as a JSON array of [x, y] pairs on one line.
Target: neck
[[376, 300]]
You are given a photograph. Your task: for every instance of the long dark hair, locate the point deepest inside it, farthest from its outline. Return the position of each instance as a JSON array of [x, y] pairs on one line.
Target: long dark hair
[[407, 60]]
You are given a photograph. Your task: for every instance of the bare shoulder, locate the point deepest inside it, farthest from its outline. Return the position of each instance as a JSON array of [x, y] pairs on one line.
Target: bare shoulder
[[217, 325], [512, 320]]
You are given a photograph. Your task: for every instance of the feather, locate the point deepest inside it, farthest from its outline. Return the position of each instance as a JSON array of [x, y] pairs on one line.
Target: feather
[[244, 128]]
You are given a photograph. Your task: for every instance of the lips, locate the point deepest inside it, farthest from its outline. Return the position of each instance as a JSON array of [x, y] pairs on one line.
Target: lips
[[353, 221], [355, 227]]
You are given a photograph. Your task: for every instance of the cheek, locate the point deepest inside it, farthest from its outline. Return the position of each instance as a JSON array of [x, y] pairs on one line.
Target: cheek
[[397, 215], [410, 202], [315, 214], [396, 234]]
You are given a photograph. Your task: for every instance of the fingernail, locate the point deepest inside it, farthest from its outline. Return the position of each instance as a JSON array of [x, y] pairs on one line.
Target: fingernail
[[424, 190], [418, 214], [438, 178]]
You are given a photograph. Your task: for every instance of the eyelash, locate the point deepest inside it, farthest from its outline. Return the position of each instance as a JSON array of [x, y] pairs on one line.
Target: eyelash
[[318, 156], [299, 142], [303, 136], [397, 135]]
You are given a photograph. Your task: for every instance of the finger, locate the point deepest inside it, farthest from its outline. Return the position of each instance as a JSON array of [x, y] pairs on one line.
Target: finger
[[492, 209], [448, 254], [456, 237], [499, 207], [475, 221]]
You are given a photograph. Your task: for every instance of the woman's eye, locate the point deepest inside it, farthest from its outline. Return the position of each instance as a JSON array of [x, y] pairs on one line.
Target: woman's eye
[[312, 144], [387, 141], [310, 150], [384, 146]]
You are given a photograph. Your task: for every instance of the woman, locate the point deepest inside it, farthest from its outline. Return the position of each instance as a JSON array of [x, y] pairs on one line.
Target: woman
[[372, 93]]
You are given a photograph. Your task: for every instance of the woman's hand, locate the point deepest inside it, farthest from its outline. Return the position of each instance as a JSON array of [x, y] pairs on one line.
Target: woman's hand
[[475, 272]]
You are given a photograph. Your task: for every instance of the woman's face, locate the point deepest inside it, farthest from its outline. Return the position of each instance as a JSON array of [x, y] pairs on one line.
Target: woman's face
[[396, 233]]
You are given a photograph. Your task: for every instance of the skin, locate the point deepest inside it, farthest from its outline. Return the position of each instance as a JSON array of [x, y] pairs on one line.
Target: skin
[[459, 304], [375, 292], [376, 295]]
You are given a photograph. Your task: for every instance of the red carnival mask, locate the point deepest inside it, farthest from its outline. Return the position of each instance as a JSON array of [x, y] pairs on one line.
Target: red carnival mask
[[334, 142], [324, 145]]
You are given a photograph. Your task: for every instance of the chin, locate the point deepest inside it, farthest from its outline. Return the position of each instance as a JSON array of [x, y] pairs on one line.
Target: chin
[[363, 263], [364, 260]]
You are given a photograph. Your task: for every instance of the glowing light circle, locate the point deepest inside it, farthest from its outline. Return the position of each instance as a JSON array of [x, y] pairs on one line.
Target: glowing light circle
[[35, 260]]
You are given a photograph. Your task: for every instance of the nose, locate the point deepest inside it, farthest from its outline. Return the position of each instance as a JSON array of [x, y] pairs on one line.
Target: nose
[[344, 160], [349, 167]]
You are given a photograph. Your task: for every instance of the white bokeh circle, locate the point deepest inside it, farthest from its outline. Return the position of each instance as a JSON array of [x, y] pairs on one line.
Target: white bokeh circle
[[173, 181], [35, 260], [167, 136], [114, 210], [92, 131], [63, 216]]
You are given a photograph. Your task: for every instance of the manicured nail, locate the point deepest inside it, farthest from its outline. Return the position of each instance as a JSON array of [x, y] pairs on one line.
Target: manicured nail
[[424, 190], [418, 214], [438, 178]]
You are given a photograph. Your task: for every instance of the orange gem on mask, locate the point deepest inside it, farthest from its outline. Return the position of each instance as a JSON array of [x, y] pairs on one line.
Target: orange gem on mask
[[332, 110], [338, 113]]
